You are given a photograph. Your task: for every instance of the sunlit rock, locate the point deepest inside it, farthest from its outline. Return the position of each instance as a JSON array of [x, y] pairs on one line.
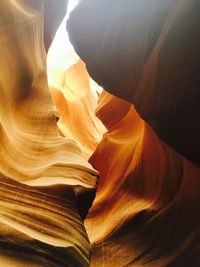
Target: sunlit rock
[[74, 93], [146, 206], [41, 173], [145, 212]]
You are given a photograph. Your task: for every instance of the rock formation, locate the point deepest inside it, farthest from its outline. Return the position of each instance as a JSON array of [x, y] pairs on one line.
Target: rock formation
[[42, 174], [109, 123], [145, 212]]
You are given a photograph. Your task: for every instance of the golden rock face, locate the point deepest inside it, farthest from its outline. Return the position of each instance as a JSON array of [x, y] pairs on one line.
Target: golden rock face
[[145, 212], [62, 139], [144, 192], [41, 173], [74, 94]]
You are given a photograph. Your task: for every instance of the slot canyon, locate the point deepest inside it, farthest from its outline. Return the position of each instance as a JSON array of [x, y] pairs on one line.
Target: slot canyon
[[99, 133]]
